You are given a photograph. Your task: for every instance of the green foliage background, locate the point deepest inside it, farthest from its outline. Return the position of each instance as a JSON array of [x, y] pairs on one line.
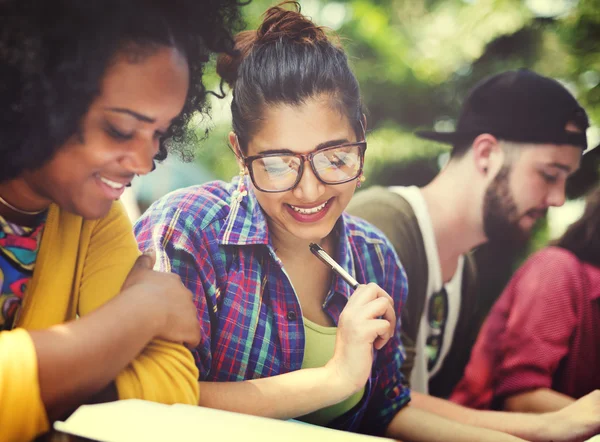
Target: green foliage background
[[416, 59]]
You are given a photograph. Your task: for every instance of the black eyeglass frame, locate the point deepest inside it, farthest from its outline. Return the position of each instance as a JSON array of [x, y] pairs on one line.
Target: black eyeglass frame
[[303, 159]]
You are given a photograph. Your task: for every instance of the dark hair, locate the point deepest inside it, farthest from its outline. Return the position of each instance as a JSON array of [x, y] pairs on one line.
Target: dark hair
[[287, 60], [582, 238], [54, 54]]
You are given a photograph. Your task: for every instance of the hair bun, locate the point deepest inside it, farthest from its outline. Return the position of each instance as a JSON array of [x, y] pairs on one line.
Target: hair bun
[[280, 23]]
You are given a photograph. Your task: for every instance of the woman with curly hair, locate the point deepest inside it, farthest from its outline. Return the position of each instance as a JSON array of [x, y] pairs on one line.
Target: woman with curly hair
[[91, 94]]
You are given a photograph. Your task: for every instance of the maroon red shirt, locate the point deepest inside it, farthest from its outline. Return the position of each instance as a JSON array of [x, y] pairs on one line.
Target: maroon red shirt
[[543, 332]]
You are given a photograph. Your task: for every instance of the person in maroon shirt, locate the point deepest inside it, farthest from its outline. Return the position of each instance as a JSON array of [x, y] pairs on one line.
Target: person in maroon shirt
[[538, 350]]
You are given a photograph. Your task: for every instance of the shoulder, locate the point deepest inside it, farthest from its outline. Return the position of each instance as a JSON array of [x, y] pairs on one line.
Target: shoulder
[[363, 234], [388, 210], [66, 222], [372, 248], [547, 273], [551, 260], [376, 197], [203, 204]]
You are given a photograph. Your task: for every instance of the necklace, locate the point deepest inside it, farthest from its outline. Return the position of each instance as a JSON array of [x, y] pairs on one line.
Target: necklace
[[22, 212]]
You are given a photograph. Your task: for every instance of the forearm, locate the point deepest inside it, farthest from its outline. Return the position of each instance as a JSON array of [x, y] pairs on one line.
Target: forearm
[[412, 424], [526, 426], [79, 358], [541, 400], [285, 396]]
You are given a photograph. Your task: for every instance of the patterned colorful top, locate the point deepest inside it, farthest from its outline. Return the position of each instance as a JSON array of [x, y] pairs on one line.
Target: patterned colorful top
[[251, 321], [18, 251]]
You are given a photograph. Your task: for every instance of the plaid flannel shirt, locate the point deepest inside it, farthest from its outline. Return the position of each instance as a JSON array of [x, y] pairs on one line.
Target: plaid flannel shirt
[[251, 321]]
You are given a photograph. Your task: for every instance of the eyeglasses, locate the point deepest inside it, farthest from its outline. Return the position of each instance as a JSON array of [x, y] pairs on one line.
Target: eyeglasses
[[274, 172]]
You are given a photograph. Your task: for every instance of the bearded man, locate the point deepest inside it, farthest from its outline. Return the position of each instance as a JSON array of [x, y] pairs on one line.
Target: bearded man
[[518, 138]]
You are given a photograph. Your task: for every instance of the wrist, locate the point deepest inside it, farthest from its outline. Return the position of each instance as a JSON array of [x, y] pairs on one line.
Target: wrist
[[545, 425], [143, 310], [338, 381]]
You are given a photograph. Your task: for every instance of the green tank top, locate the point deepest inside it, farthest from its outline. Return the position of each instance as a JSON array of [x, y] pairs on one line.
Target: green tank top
[[318, 350]]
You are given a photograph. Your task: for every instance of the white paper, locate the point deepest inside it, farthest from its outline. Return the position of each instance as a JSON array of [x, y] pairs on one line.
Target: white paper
[[133, 420]]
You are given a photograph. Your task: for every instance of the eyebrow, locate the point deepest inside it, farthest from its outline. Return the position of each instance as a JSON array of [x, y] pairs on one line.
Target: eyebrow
[[559, 166], [134, 114], [321, 146]]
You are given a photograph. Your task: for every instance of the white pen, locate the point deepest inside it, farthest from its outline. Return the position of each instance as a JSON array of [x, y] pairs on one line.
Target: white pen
[[323, 256]]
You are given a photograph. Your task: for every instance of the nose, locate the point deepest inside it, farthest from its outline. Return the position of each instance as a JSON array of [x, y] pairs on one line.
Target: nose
[[557, 197], [309, 188], [140, 159]]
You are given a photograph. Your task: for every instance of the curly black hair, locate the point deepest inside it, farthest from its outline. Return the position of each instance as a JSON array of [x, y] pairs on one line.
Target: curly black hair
[[54, 54]]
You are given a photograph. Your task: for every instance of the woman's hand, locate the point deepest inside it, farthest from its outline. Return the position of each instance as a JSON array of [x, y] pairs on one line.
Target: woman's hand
[[368, 321], [167, 300]]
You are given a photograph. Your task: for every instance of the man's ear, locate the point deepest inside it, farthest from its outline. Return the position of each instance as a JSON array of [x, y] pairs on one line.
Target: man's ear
[[234, 144], [488, 156]]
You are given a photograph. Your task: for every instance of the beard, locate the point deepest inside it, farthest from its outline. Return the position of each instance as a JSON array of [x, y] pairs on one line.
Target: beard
[[500, 214]]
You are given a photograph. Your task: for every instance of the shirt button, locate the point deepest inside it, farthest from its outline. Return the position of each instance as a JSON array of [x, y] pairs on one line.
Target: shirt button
[[291, 315]]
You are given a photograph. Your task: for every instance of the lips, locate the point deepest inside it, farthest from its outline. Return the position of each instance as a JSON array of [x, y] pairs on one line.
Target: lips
[[111, 188], [309, 214], [537, 213], [110, 183], [309, 210]]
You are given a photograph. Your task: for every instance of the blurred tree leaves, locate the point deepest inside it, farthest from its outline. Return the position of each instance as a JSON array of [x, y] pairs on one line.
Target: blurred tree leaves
[[416, 59]]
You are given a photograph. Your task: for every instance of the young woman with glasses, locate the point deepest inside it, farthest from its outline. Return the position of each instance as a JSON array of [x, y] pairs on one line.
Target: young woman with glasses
[[282, 335], [91, 93]]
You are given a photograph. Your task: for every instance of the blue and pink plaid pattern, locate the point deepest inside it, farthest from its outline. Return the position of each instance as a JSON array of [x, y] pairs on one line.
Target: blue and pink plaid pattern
[[250, 317]]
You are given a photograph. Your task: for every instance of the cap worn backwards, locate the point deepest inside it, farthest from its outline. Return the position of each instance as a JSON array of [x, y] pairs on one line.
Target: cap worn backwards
[[519, 106]]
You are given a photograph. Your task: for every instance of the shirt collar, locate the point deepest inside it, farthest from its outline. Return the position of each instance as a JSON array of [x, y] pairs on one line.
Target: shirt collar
[[345, 258], [246, 223]]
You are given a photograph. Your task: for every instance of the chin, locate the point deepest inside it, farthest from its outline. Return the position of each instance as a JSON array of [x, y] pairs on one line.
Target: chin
[[313, 233], [91, 211]]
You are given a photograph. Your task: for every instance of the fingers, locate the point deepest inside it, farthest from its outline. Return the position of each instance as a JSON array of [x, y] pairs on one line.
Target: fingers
[[193, 340], [145, 260], [379, 307], [369, 292], [371, 314], [385, 331]]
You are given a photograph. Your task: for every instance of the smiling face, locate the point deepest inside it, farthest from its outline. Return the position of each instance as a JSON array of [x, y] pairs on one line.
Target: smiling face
[[310, 210], [120, 134], [522, 191]]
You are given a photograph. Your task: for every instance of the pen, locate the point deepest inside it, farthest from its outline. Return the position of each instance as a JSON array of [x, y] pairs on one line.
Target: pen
[[328, 260]]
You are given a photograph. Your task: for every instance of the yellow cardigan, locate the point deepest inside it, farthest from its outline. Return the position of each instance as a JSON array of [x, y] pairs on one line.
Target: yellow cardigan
[[80, 266]]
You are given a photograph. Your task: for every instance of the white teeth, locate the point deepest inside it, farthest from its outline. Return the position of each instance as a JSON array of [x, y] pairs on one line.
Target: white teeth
[[112, 184], [309, 211]]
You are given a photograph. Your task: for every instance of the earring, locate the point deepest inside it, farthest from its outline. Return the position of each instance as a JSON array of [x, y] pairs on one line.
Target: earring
[[361, 179], [239, 193]]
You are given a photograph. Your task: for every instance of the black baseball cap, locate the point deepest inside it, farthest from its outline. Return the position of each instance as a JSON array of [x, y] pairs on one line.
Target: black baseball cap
[[519, 106]]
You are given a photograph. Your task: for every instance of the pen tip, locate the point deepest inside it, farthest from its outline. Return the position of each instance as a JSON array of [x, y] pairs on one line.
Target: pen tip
[[313, 247]]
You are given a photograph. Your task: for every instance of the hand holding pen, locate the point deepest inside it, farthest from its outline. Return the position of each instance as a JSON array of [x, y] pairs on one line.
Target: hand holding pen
[[366, 324], [375, 304]]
